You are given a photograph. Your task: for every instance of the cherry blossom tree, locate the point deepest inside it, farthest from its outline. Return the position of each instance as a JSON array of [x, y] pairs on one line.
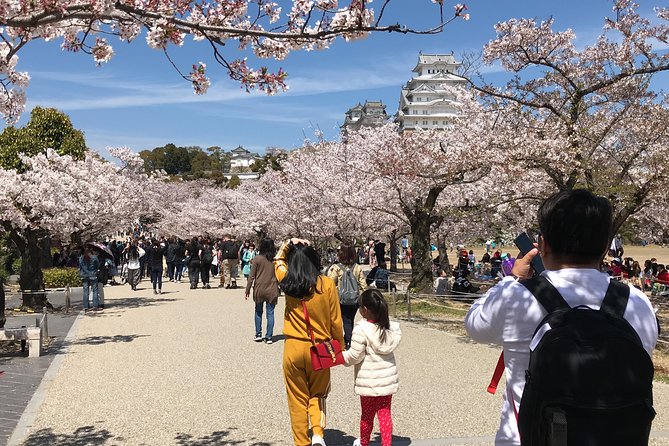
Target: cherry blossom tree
[[69, 198], [259, 27], [381, 181], [584, 117]]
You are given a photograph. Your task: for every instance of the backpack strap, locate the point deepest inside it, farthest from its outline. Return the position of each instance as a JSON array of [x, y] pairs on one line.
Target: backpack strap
[[546, 294], [615, 299]]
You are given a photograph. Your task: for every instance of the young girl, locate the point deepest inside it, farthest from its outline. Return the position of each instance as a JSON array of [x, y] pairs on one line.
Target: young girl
[[376, 379]]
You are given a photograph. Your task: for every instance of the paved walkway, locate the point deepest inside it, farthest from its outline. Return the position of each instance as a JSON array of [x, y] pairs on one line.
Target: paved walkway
[[181, 369], [22, 375]]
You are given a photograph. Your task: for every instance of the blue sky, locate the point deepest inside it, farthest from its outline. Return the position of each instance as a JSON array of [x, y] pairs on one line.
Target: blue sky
[[138, 100]]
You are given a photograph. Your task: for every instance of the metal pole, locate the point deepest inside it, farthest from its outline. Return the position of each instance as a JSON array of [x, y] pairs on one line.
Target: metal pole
[[394, 304]]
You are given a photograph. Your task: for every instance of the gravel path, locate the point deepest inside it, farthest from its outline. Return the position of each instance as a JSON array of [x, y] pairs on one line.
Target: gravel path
[[181, 368]]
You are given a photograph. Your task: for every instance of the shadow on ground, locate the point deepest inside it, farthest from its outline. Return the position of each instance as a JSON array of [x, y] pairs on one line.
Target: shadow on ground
[[137, 302], [83, 436], [334, 437], [218, 438], [97, 340]]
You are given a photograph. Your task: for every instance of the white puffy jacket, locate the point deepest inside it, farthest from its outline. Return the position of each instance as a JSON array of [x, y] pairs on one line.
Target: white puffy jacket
[[375, 369]]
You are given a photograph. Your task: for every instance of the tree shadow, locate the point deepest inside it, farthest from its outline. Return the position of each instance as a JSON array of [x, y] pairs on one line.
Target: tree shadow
[[218, 438], [97, 340], [136, 302], [83, 436]]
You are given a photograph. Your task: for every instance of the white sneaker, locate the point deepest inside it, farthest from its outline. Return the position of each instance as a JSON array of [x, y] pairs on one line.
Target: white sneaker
[[356, 442], [317, 440]]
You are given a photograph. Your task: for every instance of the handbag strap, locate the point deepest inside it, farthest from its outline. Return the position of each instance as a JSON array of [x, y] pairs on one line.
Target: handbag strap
[[306, 318]]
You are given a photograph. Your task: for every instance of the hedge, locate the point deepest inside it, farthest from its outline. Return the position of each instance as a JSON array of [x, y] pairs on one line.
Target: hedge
[[61, 277]]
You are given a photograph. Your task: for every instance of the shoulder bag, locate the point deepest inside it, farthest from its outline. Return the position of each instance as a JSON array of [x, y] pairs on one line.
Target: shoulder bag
[[325, 354]]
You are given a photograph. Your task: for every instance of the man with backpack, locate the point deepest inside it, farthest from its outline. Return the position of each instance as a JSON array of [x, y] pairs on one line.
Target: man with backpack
[[576, 345], [230, 257]]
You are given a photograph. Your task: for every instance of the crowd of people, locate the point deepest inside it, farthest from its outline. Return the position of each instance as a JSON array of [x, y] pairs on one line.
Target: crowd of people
[[323, 295]]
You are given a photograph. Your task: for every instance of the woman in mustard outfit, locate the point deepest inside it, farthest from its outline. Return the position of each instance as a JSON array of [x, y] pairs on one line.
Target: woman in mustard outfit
[[297, 268]]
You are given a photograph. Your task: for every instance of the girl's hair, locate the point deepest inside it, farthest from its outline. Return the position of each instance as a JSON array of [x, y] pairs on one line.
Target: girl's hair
[[377, 309], [346, 254], [266, 248], [304, 267]]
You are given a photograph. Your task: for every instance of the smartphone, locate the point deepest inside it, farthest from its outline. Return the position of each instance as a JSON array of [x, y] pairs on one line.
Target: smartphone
[[524, 243]]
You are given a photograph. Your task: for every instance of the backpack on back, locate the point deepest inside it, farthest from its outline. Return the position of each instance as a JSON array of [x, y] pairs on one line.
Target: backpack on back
[[348, 287], [381, 279], [589, 381], [207, 256], [229, 249]]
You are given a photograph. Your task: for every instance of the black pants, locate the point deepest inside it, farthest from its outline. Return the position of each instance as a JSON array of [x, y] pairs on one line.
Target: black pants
[[171, 267], [204, 272], [157, 278], [194, 273], [348, 318]]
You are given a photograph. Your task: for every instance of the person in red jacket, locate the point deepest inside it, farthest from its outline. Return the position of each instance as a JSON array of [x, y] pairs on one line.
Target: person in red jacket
[[662, 275]]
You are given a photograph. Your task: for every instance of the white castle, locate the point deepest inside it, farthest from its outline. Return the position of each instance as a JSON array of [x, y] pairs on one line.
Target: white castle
[[424, 103]]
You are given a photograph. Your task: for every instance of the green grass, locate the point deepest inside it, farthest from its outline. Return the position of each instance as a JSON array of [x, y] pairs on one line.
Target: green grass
[[426, 309]]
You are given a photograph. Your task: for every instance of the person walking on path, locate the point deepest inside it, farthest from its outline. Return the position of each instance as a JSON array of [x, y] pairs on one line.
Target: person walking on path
[[298, 270], [134, 253], [88, 272], [205, 263], [230, 256], [171, 258], [265, 288], [179, 257], [155, 262], [249, 255], [193, 256], [349, 306], [374, 340]]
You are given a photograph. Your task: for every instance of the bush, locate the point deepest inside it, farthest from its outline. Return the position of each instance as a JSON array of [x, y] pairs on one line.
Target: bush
[[16, 266], [61, 277]]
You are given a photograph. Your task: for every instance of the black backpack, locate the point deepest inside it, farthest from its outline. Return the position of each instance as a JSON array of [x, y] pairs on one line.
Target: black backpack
[[589, 381], [229, 249], [207, 256]]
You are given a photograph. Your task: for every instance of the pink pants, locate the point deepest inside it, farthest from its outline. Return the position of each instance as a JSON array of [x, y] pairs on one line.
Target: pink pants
[[371, 406]]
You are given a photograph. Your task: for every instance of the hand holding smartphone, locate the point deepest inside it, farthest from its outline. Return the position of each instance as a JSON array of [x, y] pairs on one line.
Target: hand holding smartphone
[[525, 245]]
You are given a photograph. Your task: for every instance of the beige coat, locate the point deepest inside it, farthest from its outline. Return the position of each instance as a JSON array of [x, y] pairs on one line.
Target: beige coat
[[375, 368]]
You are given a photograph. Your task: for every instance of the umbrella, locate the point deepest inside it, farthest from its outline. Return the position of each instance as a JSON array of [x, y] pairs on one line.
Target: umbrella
[[105, 251]]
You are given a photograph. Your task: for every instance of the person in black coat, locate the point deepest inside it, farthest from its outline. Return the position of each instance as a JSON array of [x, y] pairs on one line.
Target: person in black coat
[[170, 258], [155, 264]]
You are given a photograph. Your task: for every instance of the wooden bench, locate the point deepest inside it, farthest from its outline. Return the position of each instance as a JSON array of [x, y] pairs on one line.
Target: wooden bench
[[33, 336]]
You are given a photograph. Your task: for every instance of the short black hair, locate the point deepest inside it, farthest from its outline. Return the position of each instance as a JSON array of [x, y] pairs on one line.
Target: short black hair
[[576, 224]]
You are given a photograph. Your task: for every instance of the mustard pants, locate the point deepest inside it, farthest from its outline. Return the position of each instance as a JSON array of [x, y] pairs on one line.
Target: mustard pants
[[306, 391]]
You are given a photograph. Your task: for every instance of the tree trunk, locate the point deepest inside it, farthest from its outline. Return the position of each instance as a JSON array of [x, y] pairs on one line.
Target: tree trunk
[[392, 238], [46, 259], [421, 268], [2, 304], [31, 255]]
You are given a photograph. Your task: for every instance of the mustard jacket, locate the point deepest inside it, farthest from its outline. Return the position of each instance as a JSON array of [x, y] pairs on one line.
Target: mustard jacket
[[322, 306]]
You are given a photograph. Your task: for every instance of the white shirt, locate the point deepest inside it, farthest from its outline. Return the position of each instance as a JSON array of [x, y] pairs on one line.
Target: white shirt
[[508, 315]]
